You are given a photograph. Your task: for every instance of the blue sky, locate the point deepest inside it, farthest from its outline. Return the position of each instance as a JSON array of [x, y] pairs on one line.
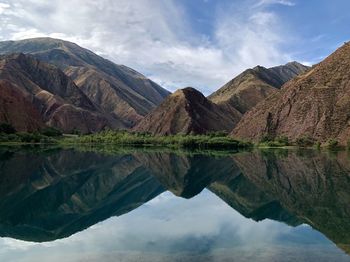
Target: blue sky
[[178, 43], [315, 27]]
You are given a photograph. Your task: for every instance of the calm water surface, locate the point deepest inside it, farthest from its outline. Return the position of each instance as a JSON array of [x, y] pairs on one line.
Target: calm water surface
[[136, 205]]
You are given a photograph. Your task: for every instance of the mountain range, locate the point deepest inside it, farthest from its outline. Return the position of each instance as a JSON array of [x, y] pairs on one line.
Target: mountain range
[[187, 111], [121, 93], [51, 82], [315, 105]]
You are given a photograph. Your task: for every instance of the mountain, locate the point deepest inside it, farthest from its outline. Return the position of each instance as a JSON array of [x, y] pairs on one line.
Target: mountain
[[120, 91], [45, 95], [315, 105], [187, 111], [254, 85]]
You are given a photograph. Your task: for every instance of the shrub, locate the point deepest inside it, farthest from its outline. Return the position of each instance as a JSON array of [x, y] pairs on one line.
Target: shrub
[[332, 144], [282, 140], [318, 145], [266, 139], [75, 132], [305, 141], [29, 137], [51, 132], [218, 134], [7, 128], [348, 144], [141, 133], [179, 140]]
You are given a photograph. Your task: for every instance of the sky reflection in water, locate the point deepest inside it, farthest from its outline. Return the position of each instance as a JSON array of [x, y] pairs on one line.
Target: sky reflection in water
[[167, 227], [171, 228]]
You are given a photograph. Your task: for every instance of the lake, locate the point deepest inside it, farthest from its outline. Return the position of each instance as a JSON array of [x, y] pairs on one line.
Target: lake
[[112, 204]]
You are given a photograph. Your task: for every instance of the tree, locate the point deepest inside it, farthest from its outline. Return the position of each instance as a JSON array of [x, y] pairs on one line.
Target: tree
[[7, 128]]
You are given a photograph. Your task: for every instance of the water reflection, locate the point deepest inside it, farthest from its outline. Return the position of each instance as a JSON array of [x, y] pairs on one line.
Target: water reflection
[[48, 194], [314, 187], [55, 193]]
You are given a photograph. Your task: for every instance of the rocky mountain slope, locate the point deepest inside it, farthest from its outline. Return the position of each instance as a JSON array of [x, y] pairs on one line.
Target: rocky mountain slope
[[315, 104], [254, 85], [36, 93], [187, 111], [16, 110], [124, 93]]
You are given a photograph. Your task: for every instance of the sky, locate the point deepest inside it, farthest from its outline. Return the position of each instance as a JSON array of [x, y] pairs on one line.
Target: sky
[[179, 43], [169, 228]]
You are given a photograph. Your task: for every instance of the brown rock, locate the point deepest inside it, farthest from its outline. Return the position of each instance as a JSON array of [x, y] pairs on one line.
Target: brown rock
[[16, 110], [45, 91], [315, 104], [254, 85], [120, 91], [188, 111]]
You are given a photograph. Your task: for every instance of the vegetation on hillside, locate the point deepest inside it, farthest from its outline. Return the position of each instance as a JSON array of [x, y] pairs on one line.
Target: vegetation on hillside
[[301, 142], [211, 141], [8, 134], [216, 140]]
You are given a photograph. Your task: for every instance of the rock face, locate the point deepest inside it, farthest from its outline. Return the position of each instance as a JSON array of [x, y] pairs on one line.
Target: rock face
[[315, 104], [118, 90], [187, 111], [35, 93], [254, 85], [16, 110]]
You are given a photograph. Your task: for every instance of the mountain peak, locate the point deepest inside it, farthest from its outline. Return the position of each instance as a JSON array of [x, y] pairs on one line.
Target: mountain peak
[[119, 90], [189, 90], [315, 104], [189, 93], [188, 111], [294, 63], [254, 85]]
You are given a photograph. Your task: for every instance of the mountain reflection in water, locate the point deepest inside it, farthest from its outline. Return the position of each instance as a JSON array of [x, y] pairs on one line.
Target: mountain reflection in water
[[49, 194]]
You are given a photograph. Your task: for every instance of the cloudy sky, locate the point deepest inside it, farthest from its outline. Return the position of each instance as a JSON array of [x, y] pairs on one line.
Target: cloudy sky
[[177, 43], [169, 228]]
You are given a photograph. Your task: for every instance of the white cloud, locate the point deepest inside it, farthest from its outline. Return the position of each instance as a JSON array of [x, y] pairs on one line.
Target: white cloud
[[155, 37], [252, 38], [3, 7], [271, 2]]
